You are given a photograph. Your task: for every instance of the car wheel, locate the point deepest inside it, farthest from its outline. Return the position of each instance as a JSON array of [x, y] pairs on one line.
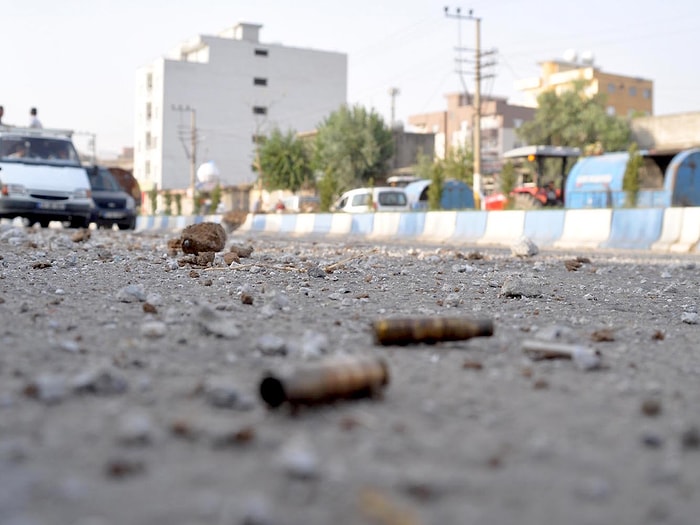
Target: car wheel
[[44, 223]]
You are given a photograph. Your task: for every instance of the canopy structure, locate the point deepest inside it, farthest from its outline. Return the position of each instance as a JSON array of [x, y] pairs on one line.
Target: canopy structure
[[542, 151]]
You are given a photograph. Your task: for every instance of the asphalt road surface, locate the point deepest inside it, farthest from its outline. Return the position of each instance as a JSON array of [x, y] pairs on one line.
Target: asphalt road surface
[[129, 384]]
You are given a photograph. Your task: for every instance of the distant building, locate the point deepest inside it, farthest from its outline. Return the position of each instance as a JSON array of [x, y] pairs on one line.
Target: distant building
[[408, 147], [624, 96], [224, 93], [454, 127], [667, 133]]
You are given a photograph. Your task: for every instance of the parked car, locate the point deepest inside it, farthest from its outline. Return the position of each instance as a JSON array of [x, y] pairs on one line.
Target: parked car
[[41, 178], [112, 204], [128, 183], [301, 203], [362, 200]]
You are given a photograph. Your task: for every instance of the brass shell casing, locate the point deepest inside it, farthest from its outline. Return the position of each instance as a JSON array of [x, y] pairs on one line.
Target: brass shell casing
[[324, 382], [405, 331]]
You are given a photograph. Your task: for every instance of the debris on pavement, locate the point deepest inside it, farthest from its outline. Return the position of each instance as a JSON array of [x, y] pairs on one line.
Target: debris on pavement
[[524, 247], [81, 235], [517, 287], [584, 357], [241, 251], [430, 330], [203, 237], [325, 382]]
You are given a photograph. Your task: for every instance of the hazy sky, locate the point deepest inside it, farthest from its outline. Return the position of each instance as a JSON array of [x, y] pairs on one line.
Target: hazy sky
[[75, 60]]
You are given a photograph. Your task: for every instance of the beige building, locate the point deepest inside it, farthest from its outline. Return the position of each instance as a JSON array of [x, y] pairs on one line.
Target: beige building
[[453, 127], [624, 96]]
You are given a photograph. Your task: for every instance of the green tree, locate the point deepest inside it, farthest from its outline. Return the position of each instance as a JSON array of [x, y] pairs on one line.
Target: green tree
[[427, 168], [630, 180], [355, 145], [574, 119], [215, 197], [459, 165], [327, 189], [178, 204], [153, 199], [168, 202], [285, 162], [437, 177], [508, 179]]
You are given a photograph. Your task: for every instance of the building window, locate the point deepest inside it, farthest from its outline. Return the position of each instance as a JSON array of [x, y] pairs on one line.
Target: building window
[[646, 93], [633, 91], [260, 81], [517, 122], [259, 110], [611, 88], [147, 168], [261, 52], [148, 111], [148, 140], [610, 110], [149, 81]]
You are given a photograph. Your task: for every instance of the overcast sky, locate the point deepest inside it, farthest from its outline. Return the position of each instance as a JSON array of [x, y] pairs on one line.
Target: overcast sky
[[75, 60]]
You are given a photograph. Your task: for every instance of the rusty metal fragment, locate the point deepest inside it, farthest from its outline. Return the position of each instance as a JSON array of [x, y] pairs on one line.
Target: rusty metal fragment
[[584, 357], [325, 382], [405, 331]]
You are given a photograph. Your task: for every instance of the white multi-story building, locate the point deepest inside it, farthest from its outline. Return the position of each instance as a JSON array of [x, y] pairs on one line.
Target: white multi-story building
[[221, 94]]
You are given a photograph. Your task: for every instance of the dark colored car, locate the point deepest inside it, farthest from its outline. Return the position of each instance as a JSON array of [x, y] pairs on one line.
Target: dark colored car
[[112, 204]]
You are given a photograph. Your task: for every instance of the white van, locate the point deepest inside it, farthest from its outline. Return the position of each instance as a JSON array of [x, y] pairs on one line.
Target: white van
[[363, 200], [41, 178]]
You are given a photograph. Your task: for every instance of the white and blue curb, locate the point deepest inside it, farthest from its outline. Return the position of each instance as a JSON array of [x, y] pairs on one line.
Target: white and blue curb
[[670, 230]]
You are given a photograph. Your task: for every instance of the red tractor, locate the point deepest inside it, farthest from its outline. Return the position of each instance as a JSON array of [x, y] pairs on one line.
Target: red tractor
[[531, 191]]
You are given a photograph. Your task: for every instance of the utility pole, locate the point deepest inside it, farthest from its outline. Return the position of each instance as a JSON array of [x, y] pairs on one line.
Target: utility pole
[[393, 92], [191, 153], [91, 143], [477, 89]]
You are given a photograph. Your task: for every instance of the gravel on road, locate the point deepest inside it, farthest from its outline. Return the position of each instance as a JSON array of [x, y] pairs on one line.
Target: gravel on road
[[130, 375]]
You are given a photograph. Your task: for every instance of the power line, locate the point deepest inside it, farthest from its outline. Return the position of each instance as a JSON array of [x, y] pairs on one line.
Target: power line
[[478, 64], [191, 153]]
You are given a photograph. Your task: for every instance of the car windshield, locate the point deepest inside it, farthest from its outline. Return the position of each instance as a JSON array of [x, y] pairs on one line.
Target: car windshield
[[38, 150], [101, 179]]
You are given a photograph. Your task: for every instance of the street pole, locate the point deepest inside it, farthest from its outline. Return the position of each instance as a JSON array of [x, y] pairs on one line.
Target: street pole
[[477, 112], [193, 147], [393, 92], [476, 135], [191, 153]]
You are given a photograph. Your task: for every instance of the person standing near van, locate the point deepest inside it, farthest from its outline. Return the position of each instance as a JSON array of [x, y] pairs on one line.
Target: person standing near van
[[34, 121]]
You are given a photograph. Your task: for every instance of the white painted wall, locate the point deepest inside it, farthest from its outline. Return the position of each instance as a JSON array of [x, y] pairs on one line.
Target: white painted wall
[[303, 87]]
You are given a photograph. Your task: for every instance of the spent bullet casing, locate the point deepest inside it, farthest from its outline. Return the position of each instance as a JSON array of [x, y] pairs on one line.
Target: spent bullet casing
[[405, 331], [326, 382]]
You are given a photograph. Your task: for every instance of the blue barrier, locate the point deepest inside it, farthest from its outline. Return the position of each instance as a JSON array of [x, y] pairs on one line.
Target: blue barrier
[[258, 224], [323, 222], [411, 224], [635, 228], [470, 225], [544, 227], [288, 223], [362, 223]]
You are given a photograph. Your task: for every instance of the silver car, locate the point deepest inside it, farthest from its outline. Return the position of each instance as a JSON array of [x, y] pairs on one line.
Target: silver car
[[41, 178]]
